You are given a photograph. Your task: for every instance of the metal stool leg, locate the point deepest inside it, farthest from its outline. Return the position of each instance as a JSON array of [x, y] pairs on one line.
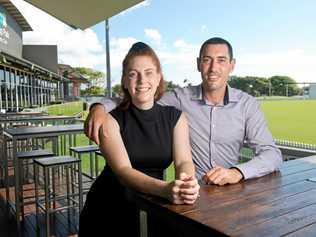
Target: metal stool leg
[[68, 190], [27, 171], [64, 145], [80, 187], [36, 180], [72, 180], [54, 188], [91, 164], [6, 172], [75, 139], [21, 196], [47, 202], [96, 165]]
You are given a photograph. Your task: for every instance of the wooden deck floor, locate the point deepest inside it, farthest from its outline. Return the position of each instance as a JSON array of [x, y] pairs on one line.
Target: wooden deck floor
[[60, 226]]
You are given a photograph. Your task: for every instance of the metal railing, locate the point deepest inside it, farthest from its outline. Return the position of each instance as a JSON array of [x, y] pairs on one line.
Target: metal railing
[[290, 150], [294, 144]]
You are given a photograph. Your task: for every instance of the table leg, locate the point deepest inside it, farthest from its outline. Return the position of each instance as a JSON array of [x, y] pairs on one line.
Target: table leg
[[17, 183]]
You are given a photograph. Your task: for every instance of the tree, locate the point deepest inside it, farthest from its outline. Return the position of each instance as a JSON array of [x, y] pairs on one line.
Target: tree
[[94, 90], [117, 90], [284, 86], [256, 86], [259, 86], [170, 86], [95, 78]]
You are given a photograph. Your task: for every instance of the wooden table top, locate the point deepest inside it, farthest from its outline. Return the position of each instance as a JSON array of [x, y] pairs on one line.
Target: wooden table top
[[279, 204]]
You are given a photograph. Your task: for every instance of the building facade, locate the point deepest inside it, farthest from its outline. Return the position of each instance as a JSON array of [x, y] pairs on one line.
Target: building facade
[[75, 78], [24, 81]]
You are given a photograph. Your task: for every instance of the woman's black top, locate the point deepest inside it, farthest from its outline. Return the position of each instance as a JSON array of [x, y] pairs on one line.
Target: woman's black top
[[148, 139], [147, 136]]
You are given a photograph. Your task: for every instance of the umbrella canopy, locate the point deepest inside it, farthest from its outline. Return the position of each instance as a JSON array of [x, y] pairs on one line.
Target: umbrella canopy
[[83, 14]]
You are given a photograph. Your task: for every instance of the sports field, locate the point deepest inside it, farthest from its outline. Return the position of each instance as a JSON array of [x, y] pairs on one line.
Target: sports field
[[294, 120]]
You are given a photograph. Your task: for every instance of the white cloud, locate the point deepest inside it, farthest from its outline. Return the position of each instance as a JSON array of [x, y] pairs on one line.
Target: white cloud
[[139, 5], [119, 48], [179, 62], [154, 35], [183, 46], [296, 63], [75, 47], [142, 4]]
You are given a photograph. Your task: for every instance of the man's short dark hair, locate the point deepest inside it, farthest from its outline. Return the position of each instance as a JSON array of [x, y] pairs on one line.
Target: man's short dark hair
[[217, 40]]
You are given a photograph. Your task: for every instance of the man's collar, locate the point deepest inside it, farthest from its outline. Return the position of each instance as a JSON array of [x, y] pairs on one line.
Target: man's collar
[[230, 94]]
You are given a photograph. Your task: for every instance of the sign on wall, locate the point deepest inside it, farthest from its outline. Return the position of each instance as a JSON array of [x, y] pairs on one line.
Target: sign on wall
[[4, 33]]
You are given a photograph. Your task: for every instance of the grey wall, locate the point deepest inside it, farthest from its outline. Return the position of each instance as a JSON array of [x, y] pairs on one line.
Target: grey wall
[[42, 55], [10, 36]]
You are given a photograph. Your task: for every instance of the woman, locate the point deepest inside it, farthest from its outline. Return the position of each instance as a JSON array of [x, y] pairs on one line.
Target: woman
[[142, 140]]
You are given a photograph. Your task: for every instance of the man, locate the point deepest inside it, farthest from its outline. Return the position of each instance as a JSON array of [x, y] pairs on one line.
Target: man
[[221, 119]]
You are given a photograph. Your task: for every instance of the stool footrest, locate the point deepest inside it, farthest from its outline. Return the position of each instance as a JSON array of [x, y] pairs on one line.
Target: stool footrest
[[34, 154], [84, 149]]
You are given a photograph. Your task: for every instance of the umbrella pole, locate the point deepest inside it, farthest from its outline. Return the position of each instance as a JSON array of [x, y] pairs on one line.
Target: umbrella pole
[[108, 65]]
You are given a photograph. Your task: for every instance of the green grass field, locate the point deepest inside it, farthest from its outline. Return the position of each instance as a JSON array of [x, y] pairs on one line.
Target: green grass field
[[71, 108], [74, 108], [293, 120]]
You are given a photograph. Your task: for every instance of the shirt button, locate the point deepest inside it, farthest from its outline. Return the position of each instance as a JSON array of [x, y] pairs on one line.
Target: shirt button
[[213, 126]]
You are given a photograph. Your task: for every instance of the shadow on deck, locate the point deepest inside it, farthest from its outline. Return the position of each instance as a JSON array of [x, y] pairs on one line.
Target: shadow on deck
[[61, 225]]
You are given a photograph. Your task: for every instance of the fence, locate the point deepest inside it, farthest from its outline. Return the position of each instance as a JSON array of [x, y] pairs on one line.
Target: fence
[[290, 150]]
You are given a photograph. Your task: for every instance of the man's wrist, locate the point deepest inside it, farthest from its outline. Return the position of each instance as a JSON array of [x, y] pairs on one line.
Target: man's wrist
[[239, 171], [95, 105]]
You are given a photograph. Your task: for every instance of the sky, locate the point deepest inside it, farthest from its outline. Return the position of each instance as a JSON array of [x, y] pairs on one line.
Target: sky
[[269, 37]]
